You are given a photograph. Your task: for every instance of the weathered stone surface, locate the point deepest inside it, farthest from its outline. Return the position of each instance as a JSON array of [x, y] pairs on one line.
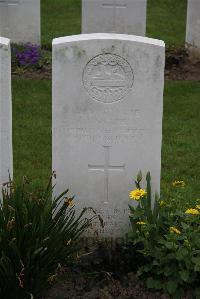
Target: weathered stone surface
[[107, 120], [6, 159], [20, 20], [193, 28], [114, 16]]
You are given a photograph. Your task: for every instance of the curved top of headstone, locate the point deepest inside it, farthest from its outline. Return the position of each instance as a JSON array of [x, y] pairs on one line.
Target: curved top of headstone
[[108, 36], [4, 41]]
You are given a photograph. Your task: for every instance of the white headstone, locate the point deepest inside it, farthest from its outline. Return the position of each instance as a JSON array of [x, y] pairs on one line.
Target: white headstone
[[20, 20], [6, 159], [114, 16], [107, 120], [193, 27]]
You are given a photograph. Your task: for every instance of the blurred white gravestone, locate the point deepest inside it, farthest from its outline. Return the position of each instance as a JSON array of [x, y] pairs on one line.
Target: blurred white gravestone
[[193, 28], [107, 120], [6, 157], [114, 16], [20, 20]]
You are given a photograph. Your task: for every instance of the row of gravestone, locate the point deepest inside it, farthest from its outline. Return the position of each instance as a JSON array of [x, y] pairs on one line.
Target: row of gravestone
[[20, 19], [106, 120]]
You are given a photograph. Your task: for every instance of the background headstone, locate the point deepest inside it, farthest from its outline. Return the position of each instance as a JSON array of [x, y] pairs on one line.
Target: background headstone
[[114, 16], [107, 120], [193, 27], [20, 20], [6, 159]]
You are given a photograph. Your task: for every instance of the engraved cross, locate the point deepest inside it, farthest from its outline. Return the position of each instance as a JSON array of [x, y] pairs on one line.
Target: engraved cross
[[106, 168], [115, 6]]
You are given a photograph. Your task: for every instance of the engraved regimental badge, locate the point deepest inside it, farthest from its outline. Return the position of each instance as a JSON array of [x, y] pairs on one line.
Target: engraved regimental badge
[[108, 78]]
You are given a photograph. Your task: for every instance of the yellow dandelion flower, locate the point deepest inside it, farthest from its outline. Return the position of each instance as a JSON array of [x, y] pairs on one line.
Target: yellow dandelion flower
[[162, 203], [175, 230], [192, 212], [178, 184], [137, 194], [141, 223], [198, 207]]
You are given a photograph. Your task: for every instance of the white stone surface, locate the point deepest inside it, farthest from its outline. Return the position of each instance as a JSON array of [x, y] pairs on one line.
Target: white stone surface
[[6, 159], [20, 20], [193, 27], [114, 16], [107, 120]]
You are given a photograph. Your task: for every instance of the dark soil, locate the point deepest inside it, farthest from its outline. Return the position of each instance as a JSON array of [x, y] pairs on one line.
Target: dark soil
[[36, 74], [106, 287], [179, 66], [103, 274]]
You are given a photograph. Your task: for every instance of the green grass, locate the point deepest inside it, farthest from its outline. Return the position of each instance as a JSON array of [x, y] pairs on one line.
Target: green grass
[[60, 18], [165, 19], [32, 129], [181, 131]]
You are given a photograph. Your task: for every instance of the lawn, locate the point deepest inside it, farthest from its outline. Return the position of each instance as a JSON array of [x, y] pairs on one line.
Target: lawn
[[32, 129], [165, 20], [181, 131]]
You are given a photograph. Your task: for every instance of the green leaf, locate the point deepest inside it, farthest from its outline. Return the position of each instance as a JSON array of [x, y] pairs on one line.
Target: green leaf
[[150, 283], [155, 262], [148, 179], [197, 268], [168, 270], [147, 267], [139, 176], [185, 226], [137, 214], [156, 208], [171, 286], [169, 245], [153, 283], [140, 271], [184, 274], [181, 254], [132, 208]]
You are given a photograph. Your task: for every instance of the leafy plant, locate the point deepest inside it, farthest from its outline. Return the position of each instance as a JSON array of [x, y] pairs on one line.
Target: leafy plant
[[170, 241], [26, 54], [29, 57], [37, 234]]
